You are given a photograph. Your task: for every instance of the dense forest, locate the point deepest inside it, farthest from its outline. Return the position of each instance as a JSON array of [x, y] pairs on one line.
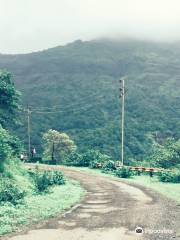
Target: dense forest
[[75, 89]]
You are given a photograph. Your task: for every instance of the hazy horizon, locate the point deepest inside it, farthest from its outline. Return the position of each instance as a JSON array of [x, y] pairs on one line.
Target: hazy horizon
[[123, 39], [31, 26]]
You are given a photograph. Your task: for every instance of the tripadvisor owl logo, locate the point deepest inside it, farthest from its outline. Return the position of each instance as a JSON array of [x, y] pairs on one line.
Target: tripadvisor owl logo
[[139, 230]]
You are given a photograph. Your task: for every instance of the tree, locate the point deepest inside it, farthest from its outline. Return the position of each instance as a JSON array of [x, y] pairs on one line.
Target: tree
[[92, 158], [167, 155], [9, 100], [10, 148], [57, 145]]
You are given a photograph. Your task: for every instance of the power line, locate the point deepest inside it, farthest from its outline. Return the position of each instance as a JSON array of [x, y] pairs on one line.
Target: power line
[[84, 108], [30, 111], [69, 106]]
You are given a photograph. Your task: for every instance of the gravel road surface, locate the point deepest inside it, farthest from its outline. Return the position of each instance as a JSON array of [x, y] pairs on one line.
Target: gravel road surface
[[111, 210]]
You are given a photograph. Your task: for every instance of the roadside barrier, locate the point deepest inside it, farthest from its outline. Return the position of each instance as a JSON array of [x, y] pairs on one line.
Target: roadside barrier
[[139, 170], [117, 165]]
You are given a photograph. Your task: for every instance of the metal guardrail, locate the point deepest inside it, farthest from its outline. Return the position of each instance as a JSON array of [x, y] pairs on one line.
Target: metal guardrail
[[134, 168]]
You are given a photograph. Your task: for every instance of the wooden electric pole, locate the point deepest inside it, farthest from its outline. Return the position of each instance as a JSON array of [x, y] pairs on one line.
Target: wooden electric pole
[[53, 149], [29, 131], [122, 93]]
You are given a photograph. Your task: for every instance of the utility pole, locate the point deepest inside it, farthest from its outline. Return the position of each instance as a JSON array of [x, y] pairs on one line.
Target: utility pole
[[29, 131], [53, 149], [122, 93]]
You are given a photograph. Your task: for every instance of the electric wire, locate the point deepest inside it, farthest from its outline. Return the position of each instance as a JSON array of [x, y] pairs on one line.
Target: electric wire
[[69, 106]]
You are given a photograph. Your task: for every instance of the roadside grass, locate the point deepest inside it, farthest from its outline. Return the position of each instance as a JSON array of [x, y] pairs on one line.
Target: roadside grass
[[170, 190], [39, 207]]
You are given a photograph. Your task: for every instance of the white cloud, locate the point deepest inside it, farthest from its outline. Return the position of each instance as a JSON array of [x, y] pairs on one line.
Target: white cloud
[[31, 25]]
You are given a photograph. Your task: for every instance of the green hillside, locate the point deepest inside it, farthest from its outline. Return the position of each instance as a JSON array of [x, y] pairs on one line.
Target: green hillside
[[78, 87]]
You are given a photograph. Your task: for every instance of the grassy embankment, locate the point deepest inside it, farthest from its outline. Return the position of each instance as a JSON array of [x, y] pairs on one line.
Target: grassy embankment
[[170, 190], [39, 207]]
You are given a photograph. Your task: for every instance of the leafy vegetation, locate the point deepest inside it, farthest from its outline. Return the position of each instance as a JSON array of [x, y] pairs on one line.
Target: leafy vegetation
[[10, 148], [90, 158], [173, 176], [57, 146], [78, 83], [73, 159], [10, 191], [166, 155], [108, 166], [20, 200], [44, 179], [38, 207], [96, 158], [123, 172], [9, 100]]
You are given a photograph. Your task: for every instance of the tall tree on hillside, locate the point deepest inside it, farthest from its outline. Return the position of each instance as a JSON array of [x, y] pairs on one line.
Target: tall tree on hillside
[[57, 145], [10, 148], [166, 155], [9, 100]]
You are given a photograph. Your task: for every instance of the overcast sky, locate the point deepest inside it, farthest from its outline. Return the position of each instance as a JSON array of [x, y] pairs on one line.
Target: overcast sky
[[31, 25]]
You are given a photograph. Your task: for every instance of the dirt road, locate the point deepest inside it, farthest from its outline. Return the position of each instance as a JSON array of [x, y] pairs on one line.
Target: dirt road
[[111, 210]]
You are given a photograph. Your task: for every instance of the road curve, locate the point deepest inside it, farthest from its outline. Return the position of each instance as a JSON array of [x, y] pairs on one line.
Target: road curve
[[111, 210]]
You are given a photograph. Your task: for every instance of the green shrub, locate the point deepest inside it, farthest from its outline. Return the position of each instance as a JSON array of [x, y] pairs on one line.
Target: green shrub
[[58, 178], [44, 179], [99, 158], [91, 158], [109, 166], [5, 149], [73, 159], [10, 192], [173, 177], [10, 148], [86, 158], [166, 155], [40, 180], [123, 172]]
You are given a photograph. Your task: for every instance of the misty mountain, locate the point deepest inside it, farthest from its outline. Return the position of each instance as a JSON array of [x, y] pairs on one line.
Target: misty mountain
[[75, 89]]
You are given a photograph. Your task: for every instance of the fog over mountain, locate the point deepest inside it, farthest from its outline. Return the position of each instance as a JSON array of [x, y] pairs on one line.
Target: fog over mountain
[[32, 25], [79, 84]]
